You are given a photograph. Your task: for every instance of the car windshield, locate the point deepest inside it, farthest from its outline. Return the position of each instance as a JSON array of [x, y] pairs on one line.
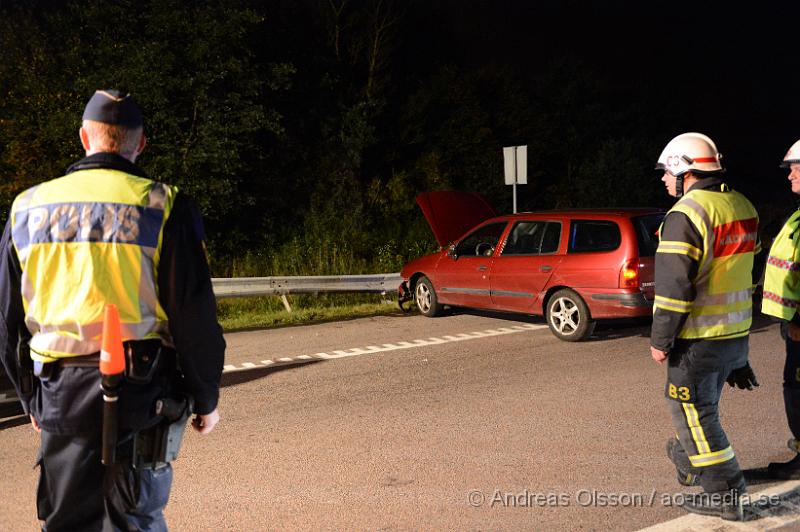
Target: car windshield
[[647, 233]]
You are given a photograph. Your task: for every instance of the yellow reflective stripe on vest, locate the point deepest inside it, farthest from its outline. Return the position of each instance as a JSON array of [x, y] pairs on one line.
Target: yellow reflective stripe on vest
[[782, 275], [700, 219], [709, 459], [675, 305], [84, 240], [727, 224], [680, 248]]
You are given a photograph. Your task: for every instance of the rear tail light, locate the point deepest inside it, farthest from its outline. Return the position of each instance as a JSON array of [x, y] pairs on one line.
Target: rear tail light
[[629, 274]]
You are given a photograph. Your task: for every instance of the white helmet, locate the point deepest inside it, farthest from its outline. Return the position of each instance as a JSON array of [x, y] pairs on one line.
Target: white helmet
[[690, 152], [792, 156]]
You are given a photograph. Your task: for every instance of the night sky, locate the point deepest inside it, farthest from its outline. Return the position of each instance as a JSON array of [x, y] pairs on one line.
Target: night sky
[[648, 70], [731, 73]]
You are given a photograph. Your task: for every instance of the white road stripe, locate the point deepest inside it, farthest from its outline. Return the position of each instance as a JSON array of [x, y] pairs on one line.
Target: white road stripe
[[368, 350]]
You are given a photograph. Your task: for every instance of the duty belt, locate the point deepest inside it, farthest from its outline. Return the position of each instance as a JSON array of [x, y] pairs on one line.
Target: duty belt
[[43, 369], [141, 360]]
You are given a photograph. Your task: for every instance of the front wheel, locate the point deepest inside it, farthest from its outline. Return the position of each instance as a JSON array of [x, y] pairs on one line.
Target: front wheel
[[568, 316], [425, 296]]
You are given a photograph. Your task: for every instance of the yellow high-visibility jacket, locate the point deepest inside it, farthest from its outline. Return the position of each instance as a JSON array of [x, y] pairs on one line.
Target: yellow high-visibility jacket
[[84, 240], [704, 265], [782, 275]]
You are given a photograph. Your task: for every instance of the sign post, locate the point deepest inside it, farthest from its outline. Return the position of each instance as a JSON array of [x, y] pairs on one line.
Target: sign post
[[515, 159]]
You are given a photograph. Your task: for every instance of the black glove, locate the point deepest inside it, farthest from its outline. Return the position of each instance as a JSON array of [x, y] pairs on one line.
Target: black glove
[[742, 377]]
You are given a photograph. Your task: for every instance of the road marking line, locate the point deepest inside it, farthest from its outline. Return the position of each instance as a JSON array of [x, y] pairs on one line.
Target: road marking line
[[370, 349]]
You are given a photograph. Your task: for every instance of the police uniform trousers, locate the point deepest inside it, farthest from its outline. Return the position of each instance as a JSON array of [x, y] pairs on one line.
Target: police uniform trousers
[[696, 374], [791, 383], [76, 492]]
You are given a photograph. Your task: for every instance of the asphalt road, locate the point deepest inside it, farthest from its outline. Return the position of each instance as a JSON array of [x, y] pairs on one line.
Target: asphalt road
[[469, 421]]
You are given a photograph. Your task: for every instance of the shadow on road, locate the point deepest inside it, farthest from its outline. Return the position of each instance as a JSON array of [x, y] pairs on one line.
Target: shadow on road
[[605, 329], [506, 316], [12, 422], [248, 375]]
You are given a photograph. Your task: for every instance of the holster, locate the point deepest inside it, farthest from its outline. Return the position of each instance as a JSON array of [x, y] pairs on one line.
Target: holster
[[157, 446], [24, 367], [143, 358]]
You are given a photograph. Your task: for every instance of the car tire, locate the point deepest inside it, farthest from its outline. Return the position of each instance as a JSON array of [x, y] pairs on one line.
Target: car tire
[[568, 316], [425, 298]]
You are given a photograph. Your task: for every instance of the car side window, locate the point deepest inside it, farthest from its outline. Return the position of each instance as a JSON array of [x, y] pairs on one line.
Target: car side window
[[482, 241], [532, 237], [593, 235]]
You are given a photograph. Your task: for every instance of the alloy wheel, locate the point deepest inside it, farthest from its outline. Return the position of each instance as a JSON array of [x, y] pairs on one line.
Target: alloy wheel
[[564, 316], [423, 296]]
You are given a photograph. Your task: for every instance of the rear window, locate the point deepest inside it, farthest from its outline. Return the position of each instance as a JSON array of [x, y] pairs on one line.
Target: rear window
[[593, 235], [647, 233]]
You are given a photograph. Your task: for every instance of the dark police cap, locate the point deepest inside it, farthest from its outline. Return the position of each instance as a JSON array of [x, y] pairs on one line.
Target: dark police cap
[[113, 107]]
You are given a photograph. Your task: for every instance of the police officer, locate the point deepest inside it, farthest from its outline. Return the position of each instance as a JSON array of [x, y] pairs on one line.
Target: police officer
[[702, 316], [781, 298], [105, 233]]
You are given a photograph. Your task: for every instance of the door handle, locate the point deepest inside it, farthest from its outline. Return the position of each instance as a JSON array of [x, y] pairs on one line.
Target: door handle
[[545, 268], [483, 268]]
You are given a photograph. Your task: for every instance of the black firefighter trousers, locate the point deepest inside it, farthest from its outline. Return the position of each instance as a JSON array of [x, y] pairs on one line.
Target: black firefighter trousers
[[696, 375]]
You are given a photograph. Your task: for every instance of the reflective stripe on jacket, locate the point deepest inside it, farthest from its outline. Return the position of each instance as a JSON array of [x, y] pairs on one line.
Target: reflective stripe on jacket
[[84, 240], [782, 276], [727, 224]]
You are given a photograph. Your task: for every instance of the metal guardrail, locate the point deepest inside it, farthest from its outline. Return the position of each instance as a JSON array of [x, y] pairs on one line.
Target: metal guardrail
[[280, 286]]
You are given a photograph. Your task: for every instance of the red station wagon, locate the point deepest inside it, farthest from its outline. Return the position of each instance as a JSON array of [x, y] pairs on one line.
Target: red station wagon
[[571, 266]]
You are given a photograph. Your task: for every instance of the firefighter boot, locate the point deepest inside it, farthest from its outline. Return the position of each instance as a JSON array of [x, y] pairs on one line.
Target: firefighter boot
[[787, 470]]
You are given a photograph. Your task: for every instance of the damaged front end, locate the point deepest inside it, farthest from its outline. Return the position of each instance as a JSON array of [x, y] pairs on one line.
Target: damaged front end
[[404, 295]]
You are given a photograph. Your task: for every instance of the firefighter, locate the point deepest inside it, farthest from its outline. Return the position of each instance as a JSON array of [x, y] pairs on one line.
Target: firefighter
[[702, 316], [105, 233], [781, 297]]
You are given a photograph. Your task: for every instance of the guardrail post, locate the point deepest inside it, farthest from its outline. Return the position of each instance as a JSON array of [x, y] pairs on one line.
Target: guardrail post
[[286, 303]]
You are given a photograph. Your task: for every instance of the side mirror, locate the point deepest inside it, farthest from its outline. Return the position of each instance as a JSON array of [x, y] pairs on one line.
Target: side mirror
[[451, 252]]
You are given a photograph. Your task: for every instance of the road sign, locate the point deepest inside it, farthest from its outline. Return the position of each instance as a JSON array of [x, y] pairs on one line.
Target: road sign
[[515, 159]]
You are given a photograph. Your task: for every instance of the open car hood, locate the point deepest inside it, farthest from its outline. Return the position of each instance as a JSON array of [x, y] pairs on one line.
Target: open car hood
[[451, 214]]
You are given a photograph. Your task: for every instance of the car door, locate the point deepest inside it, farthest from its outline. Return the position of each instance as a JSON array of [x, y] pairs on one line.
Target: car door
[[462, 278], [525, 264]]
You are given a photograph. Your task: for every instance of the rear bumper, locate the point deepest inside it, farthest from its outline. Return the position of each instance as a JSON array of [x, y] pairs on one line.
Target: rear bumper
[[610, 304]]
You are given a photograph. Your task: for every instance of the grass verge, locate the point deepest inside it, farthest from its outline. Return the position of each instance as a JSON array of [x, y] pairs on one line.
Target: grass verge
[[264, 312]]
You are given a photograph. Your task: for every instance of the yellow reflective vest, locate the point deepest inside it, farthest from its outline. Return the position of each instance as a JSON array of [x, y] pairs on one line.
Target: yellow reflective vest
[[782, 275], [84, 240], [728, 225]]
